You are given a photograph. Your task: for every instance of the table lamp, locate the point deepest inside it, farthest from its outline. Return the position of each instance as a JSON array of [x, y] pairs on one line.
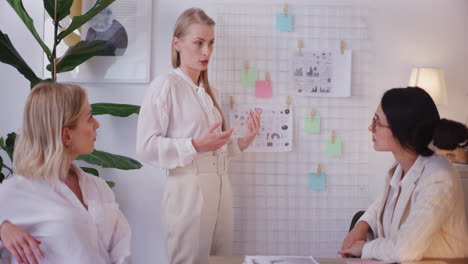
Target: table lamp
[[432, 80]]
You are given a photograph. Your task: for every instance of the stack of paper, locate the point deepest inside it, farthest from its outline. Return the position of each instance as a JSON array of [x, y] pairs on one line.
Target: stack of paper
[[279, 260]]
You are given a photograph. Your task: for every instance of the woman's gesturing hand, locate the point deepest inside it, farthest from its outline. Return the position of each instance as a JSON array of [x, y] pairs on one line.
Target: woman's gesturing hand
[[253, 125], [210, 140]]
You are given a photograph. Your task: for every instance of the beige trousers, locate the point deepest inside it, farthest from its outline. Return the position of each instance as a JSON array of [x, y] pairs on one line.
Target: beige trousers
[[197, 215]]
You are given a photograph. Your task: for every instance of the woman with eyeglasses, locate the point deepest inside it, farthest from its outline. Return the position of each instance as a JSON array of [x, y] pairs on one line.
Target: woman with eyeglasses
[[421, 213]]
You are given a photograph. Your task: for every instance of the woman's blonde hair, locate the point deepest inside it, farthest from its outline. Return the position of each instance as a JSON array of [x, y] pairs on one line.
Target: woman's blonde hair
[[39, 149], [187, 18]]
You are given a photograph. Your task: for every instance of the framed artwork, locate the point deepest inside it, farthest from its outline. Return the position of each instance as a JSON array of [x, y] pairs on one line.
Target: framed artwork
[[125, 25]]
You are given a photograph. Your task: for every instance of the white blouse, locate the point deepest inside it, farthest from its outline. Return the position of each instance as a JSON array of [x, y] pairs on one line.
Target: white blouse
[[396, 183], [68, 232], [173, 112]]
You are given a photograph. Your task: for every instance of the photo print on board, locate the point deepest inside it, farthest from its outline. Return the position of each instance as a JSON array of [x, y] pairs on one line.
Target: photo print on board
[[276, 130], [321, 73]]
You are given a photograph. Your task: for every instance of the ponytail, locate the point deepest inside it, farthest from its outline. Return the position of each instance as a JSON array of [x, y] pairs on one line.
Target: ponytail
[[415, 122], [449, 135]]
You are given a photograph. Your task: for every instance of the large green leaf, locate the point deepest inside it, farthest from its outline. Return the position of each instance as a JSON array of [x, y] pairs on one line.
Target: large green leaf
[[108, 160], [9, 55], [111, 184], [95, 172], [10, 144], [78, 21], [19, 9], [77, 54], [1, 167], [7, 149], [122, 110], [92, 171], [8, 169], [63, 8]]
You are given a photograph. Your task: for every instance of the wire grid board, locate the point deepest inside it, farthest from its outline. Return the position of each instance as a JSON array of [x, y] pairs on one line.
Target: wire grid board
[[275, 211]]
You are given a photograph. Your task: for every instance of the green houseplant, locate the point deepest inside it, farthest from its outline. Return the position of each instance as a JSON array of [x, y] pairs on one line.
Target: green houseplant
[[74, 56]]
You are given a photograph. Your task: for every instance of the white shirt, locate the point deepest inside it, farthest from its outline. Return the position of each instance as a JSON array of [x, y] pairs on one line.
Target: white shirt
[[395, 186], [174, 111], [68, 232]]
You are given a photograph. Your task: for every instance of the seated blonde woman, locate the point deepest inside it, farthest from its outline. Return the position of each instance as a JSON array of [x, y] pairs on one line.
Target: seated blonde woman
[[52, 211], [421, 213]]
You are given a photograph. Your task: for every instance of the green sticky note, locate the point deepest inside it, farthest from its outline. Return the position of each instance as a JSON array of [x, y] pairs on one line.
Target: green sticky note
[[317, 182], [335, 149], [248, 79], [312, 126]]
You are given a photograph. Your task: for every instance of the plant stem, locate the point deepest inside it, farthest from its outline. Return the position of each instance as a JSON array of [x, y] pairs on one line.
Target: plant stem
[[54, 53], [8, 168]]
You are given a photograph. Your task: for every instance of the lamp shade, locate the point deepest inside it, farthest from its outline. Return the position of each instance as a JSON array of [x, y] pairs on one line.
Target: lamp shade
[[432, 80]]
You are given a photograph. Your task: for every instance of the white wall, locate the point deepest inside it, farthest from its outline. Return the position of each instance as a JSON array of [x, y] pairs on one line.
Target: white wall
[[407, 33], [422, 33]]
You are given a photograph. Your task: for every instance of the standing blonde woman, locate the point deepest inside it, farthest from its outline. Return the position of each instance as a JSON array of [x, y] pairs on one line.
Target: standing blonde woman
[[181, 128], [58, 213]]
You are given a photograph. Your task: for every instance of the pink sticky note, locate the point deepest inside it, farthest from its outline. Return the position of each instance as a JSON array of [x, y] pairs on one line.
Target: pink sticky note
[[263, 89]]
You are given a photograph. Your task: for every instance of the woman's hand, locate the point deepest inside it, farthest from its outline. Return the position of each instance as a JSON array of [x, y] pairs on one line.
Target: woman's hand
[[253, 125], [210, 140], [359, 232], [355, 250], [21, 245]]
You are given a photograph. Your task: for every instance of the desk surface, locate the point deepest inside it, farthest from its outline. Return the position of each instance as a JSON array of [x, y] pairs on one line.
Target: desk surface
[[239, 260]]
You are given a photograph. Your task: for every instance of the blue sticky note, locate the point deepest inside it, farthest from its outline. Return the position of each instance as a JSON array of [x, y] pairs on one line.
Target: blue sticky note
[[284, 22], [317, 182], [335, 149], [312, 126]]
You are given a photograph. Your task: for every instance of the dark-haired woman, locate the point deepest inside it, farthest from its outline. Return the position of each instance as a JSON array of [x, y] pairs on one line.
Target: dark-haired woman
[[421, 213]]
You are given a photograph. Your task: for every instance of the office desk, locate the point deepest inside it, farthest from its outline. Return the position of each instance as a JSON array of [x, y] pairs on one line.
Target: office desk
[[239, 260]]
